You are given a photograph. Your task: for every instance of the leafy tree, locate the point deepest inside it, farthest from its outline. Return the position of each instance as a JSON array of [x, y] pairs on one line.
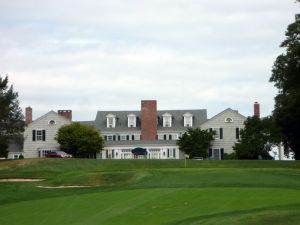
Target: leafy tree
[[11, 117], [196, 142], [82, 141], [286, 77], [257, 138]]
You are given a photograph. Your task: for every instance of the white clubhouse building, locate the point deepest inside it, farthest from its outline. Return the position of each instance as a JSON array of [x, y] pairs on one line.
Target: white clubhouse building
[[148, 133]]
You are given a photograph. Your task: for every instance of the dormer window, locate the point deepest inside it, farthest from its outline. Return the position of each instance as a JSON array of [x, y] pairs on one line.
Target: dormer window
[[131, 120], [188, 120], [167, 120], [110, 121]]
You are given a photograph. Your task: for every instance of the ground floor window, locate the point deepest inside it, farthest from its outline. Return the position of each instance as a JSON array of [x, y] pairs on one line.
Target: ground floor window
[[154, 153], [216, 153], [126, 154], [43, 153]]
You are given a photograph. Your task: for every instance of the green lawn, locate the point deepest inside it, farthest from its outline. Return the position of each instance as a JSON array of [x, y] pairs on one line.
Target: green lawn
[[151, 192]]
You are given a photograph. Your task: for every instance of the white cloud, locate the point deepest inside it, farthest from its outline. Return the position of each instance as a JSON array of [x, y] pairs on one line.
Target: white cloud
[[89, 55]]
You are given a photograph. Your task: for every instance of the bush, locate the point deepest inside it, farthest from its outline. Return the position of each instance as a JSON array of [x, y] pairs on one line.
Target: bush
[[230, 156]]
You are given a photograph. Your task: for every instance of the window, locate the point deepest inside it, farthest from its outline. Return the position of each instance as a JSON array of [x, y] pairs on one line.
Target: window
[[167, 120], [131, 120], [109, 137], [44, 152], [51, 122], [188, 120], [160, 137], [237, 133], [123, 137], [110, 121], [39, 135], [228, 120], [137, 137], [217, 133], [174, 137]]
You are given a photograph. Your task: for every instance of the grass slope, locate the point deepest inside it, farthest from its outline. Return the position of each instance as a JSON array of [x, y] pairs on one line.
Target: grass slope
[[151, 192]]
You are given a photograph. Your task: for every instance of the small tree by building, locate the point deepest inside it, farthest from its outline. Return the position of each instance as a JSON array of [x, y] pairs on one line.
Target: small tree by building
[[196, 142], [11, 117], [257, 138], [82, 141]]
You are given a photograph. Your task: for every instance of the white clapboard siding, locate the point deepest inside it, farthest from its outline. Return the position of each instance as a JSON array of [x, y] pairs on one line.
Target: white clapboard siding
[[229, 128], [31, 147]]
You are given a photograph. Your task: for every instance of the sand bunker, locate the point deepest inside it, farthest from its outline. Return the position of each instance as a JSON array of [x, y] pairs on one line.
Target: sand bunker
[[20, 180], [65, 186]]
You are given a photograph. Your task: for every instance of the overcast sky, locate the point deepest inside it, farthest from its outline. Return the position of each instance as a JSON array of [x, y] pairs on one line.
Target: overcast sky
[[110, 54]]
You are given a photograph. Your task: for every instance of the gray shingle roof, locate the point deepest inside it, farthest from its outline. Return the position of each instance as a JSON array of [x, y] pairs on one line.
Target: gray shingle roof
[[199, 117]]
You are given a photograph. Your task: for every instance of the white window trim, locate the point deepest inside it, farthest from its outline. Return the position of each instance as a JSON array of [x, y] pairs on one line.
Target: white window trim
[[188, 120], [39, 137], [108, 118], [50, 122], [228, 120], [131, 120]]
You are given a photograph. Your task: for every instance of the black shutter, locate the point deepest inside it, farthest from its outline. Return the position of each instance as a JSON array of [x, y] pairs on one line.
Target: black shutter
[[170, 137], [237, 133], [210, 152], [210, 129], [119, 138], [44, 135], [105, 137], [222, 153], [132, 137], [127, 137], [168, 153], [33, 135], [221, 133], [114, 137]]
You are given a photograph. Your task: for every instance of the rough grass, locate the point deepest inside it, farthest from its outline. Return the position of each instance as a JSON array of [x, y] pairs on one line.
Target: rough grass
[[151, 192]]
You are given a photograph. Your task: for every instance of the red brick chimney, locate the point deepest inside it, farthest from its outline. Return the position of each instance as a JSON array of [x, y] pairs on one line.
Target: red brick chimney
[[149, 120], [256, 110], [28, 115], [65, 113]]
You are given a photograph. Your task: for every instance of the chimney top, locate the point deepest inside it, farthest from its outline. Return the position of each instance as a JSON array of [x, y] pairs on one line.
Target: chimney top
[[256, 109], [65, 113], [28, 115]]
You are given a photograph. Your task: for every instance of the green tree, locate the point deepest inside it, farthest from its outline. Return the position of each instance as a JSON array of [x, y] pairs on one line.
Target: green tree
[[286, 77], [82, 141], [257, 138], [11, 117], [196, 142]]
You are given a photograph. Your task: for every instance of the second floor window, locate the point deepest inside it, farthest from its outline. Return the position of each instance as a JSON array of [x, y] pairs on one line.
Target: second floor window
[[38, 135]]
